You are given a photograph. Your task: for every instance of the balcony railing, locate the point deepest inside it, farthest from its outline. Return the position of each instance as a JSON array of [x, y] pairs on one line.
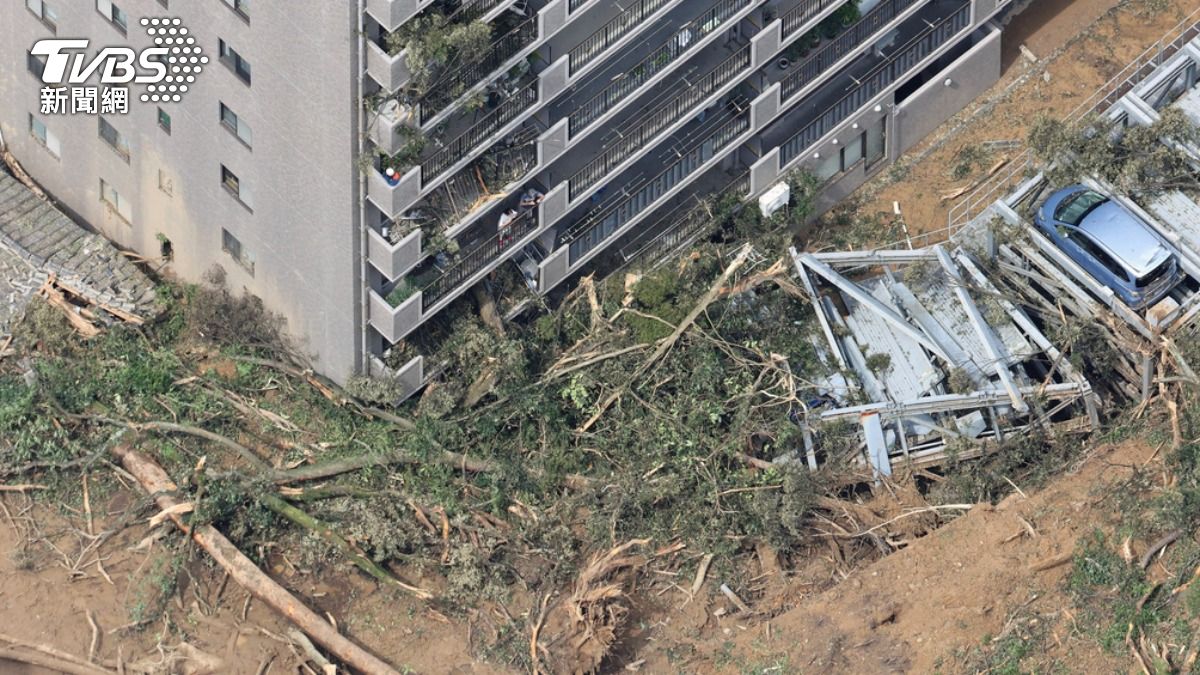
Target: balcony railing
[[869, 86], [804, 12], [575, 4], [653, 64], [602, 223], [612, 31], [469, 263], [850, 39], [686, 228], [658, 119], [470, 11], [448, 88], [461, 146]]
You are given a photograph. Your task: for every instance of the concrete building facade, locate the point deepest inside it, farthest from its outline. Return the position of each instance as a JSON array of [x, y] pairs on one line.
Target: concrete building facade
[[359, 186]]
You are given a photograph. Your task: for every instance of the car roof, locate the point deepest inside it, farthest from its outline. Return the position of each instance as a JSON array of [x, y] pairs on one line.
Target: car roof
[[1125, 237]]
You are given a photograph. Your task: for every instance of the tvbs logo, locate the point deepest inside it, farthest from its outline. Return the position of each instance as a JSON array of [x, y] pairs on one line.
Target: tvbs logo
[[167, 70]]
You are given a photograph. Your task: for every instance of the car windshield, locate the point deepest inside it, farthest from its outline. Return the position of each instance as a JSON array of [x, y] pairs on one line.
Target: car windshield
[[1154, 274], [1074, 208]]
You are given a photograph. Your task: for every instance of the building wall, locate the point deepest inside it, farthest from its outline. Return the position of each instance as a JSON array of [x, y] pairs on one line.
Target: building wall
[[935, 102], [302, 108]]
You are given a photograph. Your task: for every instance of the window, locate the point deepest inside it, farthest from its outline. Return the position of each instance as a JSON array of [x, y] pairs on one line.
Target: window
[[115, 15], [45, 137], [164, 120], [242, 7], [44, 12], [233, 247], [876, 141], [852, 153], [237, 125], [234, 61], [35, 64], [1093, 249], [235, 186], [114, 139], [114, 200], [1075, 208], [166, 183]]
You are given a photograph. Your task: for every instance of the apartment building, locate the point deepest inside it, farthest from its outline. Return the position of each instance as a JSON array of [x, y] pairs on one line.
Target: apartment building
[[360, 165]]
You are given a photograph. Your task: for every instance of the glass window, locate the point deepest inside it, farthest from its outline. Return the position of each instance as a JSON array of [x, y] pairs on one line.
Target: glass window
[[242, 7], [110, 196], [1093, 249], [853, 152], [165, 182], [237, 125], [230, 180], [234, 248], [1075, 208], [44, 136], [234, 60], [114, 138], [44, 12], [876, 141], [115, 15], [828, 167], [164, 120], [35, 64]]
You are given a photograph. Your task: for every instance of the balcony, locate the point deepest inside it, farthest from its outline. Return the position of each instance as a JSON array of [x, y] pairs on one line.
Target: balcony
[[644, 134], [393, 199], [620, 26], [462, 148], [624, 210], [680, 43], [679, 226], [391, 14], [796, 18], [500, 55], [391, 72], [805, 72], [394, 260], [480, 257], [898, 65]]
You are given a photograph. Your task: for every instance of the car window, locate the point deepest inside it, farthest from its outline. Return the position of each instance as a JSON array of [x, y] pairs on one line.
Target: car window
[[1073, 209], [1087, 244]]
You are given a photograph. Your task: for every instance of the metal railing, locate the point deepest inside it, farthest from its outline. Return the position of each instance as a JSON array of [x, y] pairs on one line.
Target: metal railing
[[850, 39], [869, 86], [468, 264], [805, 11], [612, 31], [694, 222], [575, 4], [629, 142], [599, 225], [449, 87], [977, 201], [470, 11], [464, 143], [661, 58]]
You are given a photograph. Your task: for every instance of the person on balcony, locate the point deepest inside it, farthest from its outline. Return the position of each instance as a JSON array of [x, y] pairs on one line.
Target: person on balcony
[[391, 176], [504, 227], [531, 198]]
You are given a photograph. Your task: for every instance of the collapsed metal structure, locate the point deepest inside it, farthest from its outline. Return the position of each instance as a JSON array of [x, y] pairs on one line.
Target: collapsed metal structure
[[946, 350]]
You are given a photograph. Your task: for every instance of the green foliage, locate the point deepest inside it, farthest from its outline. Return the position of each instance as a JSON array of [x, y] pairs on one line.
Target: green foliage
[[1111, 592], [435, 45], [1134, 160], [403, 291]]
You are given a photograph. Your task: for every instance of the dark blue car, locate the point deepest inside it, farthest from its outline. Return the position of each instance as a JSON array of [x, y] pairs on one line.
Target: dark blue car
[[1115, 246]]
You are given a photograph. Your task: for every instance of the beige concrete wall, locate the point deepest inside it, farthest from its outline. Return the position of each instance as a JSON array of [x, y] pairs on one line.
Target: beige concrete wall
[[302, 109]]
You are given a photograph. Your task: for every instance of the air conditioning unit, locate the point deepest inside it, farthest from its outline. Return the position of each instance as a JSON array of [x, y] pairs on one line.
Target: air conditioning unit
[[774, 199]]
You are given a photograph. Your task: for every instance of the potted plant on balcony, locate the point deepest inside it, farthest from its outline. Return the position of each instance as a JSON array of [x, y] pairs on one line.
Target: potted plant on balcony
[[403, 291]]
